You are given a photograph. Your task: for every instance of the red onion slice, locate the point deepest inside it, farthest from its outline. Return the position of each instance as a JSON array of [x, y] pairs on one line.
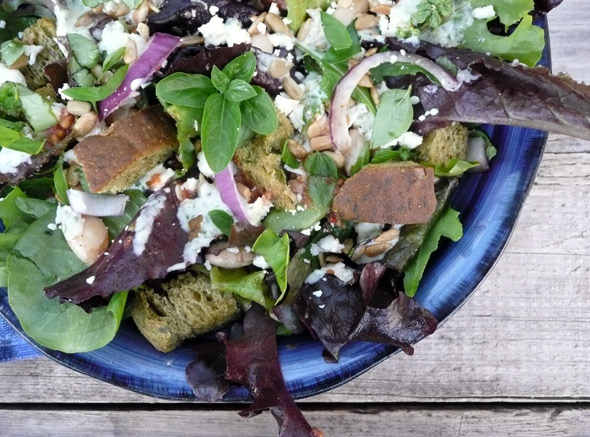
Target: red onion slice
[[345, 87], [139, 72], [97, 205], [228, 191]]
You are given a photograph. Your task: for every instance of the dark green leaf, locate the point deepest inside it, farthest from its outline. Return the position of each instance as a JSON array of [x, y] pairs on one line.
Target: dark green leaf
[[259, 113], [341, 56], [335, 32], [98, 93], [11, 215], [84, 49], [236, 281], [219, 131], [394, 116], [388, 69], [322, 165], [24, 144], [363, 159], [186, 152], [401, 154], [242, 67], [219, 79], [113, 58], [34, 208], [239, 90], [59, 182], [447, 226], [275, 251], [287, 157], [190, 90], [222, 220], [9, 103]]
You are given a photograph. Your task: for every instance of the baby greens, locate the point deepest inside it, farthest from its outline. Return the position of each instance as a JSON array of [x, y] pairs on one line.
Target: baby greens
[[95, 94], [275, 251]]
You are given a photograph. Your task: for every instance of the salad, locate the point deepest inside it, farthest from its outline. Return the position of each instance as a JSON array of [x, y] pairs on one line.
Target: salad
[[238, 171]]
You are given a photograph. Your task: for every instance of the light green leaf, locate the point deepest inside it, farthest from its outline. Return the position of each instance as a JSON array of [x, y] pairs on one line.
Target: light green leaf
[[454, 168], [11, 51], [113, 58], [297, 10], [84, 49], [37, 109], [60, 183], [287, 157], [335, 32], [508, 11], [275, 251], [237, 281], [98, 93]]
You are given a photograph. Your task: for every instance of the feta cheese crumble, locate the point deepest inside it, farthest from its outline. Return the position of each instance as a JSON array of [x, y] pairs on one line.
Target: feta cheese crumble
[[218, 32], [483, 13]]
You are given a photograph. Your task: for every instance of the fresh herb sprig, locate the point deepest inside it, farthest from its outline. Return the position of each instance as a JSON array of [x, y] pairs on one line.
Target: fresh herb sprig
[[221, 108]]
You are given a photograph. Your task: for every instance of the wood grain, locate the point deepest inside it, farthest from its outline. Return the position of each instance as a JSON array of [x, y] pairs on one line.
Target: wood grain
[[522, 337]]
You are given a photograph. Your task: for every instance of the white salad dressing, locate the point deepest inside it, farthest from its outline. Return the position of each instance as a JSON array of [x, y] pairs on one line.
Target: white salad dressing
[[70, 222], [340, 270], [145, 222]]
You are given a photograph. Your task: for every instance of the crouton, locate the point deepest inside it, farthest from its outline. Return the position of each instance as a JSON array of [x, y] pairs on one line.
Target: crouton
[[442, 145], [393, 193], [131, 146], [41, 33], [184, 308], [260, 162]]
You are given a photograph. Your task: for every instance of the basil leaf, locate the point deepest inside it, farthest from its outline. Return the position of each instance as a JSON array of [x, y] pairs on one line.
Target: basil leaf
[[219, 79], [335, 32], [248, 286], [84, 49], [447, 226], [113, 58], [319, 164], [401, 154], [98, 93], [191, 90], [242, 67], [259, 113], [343, 55], [37, 109], [222, 220], [10, 51], [59, 182], [275, 251], [394, 116], [287, 157], [219, 131], [239, 90]]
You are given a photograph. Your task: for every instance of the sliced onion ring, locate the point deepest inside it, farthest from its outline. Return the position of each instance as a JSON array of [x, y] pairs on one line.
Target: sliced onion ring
[[345, 87], [228, 191], [97, 205], [158, 50]]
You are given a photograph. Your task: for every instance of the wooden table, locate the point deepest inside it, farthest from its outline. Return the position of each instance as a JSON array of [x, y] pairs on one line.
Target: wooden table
[[515, 360]]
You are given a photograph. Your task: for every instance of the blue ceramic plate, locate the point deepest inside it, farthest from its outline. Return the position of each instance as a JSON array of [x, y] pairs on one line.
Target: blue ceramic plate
[[489, 204]]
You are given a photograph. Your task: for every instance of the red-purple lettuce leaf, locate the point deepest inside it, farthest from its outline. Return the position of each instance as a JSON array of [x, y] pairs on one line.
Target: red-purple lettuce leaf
[[502, 93], [546, 5], [206, 374], [119, 268], [253, 361], [337, 312]]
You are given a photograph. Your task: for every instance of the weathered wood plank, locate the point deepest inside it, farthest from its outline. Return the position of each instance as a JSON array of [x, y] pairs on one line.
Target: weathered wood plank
[[522, 337], [375, 422]]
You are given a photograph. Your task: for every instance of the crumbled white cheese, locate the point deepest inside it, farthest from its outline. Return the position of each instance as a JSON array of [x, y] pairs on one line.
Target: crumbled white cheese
[[399, 18], [466, 75], [90, 280], [11, 159], [285, 104], [8, 75], [450, 33], [410, 140], [340, 270], [67, 16], [483, 13], [361, 118], [260, 262], [329, 244], [208, 199], [32, 52], [274, 9], [315, 38], [2, 24], [261, 28], [145, 222], [317, 293], [114, 37], [213, 10], [217, 32], [258, 210], [61, 90], [281, 40], [414, 100]]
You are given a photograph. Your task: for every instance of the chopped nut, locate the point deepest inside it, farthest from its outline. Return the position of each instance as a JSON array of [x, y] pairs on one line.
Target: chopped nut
[[72, 176], [130, 55], [366, 21], [366, 82], [387, 236], [292, 88], [77, 107], [194, 226], [244, 191], [381, 9], [304, 30], [84, 124], [296, 149], [370, 52], [191, 40], [254, 26], [143, 30], [376, 249], [321, 143], [375, 95], [276, 24], [262, 42], [279, 68], [141, 13]]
